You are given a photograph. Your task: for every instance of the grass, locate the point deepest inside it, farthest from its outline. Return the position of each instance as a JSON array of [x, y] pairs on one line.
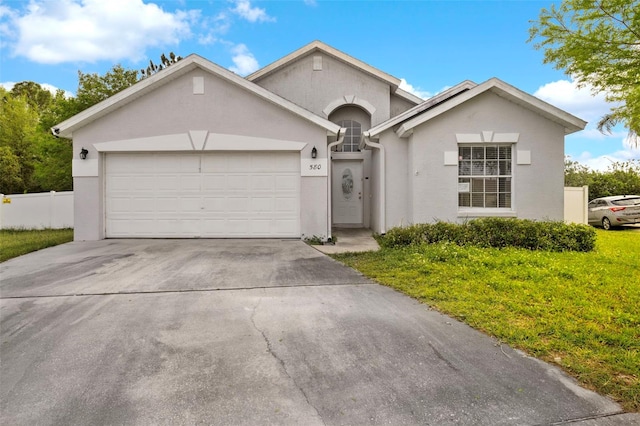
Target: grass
[[16, 242], [580, 311]]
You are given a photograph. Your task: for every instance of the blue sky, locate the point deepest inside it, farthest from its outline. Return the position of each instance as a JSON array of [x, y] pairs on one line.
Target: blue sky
[[431, 45]]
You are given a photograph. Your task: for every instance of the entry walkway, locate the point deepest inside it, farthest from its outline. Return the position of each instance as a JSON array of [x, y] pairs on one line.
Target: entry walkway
[[350, 240]]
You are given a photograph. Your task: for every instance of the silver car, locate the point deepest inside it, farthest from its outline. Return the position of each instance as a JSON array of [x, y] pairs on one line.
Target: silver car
[[613, 211]]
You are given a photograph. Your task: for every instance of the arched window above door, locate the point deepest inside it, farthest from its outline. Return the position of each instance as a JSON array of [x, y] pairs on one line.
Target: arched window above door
[[352, 137]]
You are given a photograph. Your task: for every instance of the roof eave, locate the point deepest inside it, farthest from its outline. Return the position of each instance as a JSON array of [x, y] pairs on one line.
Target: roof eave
[[425, 105], [322, 47], [570, 122], [408, 96], [66, 128]]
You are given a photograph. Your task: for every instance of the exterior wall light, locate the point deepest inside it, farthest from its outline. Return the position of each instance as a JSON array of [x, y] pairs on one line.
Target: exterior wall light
[[314, 152], [83, 154]]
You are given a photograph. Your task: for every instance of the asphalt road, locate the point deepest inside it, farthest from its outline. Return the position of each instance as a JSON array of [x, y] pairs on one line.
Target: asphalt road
[[251, 332]]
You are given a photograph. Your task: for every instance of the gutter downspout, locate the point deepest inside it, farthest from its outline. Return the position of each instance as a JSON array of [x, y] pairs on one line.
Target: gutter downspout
[[381, 174], [341, 134]]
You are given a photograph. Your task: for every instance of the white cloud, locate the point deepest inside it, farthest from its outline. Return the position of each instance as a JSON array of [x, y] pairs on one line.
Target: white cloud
[[214, 27], [245, 62], [580, 102], [252, 14], [414, 90], [310, 2], [8, 85], [58, 31], [626, 150], [604, 162]]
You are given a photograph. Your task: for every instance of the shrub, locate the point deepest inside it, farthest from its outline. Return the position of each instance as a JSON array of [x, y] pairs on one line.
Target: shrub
[[496, 232]]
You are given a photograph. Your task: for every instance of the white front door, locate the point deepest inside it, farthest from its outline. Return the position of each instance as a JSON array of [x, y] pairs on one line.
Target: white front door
[[347, 192]]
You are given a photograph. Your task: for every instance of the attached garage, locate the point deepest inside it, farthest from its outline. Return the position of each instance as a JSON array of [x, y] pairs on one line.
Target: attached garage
[[210, 194], [196, 151]]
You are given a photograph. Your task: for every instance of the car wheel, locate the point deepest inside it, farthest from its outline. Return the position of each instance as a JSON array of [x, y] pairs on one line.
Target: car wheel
[[606, 223]]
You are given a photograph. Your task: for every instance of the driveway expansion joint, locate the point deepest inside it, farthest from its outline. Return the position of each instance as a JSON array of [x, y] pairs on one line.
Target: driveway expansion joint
[[280, 361], [191, 290]]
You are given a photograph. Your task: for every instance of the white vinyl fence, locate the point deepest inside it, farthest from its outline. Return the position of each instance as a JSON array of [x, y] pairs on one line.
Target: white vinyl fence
[[575, 204], [35, 211], [55, 209]]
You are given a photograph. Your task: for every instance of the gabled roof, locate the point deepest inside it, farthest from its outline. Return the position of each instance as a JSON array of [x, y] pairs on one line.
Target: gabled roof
[[318, 46], [191, 62], [408, 96], [570, 122], [423, 106]]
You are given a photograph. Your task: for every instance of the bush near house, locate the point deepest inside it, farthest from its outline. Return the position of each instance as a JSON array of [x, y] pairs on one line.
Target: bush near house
[[497, 233]]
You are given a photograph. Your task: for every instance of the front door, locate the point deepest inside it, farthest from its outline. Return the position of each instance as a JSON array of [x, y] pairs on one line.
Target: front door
[[346, 188]]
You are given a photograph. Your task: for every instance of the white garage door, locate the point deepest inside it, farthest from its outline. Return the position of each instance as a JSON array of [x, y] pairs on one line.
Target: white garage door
[[218, 194]]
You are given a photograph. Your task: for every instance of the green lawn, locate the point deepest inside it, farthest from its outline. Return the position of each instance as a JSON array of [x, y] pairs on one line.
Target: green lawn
[[16, 242], [580, 311]]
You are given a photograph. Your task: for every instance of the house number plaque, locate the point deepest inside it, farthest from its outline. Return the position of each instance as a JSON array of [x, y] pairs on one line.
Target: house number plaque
[[313, 167]]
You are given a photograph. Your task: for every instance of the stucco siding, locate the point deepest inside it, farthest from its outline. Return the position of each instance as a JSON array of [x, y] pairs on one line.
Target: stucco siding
[[87, 208], [313, 207], [174, 109], [398, 167], [224, 108], [315, 90], [399, 105], [537, 187]]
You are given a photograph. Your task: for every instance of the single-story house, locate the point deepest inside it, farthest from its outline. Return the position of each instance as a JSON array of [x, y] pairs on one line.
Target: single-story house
[[315, 140]]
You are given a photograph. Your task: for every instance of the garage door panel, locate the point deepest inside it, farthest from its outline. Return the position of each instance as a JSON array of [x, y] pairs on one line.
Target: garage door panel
[[167, 204], [143, 205], [215, 204], [235, 195], [236, 182], [262, 227], [143, 183], [214, 227], [168, 182], [286, 205], [263, 182], [119, 204], [120, 183], [237, 227], [282, 225], [262, 204], [237, 205], [190, 204], [190, 183], [214, 163], [214, 182], [180, 163], [286, 182]]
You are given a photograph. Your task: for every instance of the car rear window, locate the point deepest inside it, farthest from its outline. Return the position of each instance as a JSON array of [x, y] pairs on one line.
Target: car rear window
[[632, 201]]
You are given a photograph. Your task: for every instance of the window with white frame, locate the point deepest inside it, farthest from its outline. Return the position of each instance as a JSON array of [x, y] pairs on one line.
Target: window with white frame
[[352, 136], [484, 176]]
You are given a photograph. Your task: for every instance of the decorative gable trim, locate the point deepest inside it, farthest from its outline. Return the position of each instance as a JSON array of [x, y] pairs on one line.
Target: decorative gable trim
[[348, 100], [198, 140], [487, 136]]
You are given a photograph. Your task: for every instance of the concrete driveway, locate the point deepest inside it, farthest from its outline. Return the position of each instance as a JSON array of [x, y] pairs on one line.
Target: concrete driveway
[[251, 332]]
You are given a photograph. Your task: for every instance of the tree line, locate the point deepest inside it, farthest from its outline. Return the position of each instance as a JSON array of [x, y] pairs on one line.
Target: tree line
[[32, 159], [621, 178]]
